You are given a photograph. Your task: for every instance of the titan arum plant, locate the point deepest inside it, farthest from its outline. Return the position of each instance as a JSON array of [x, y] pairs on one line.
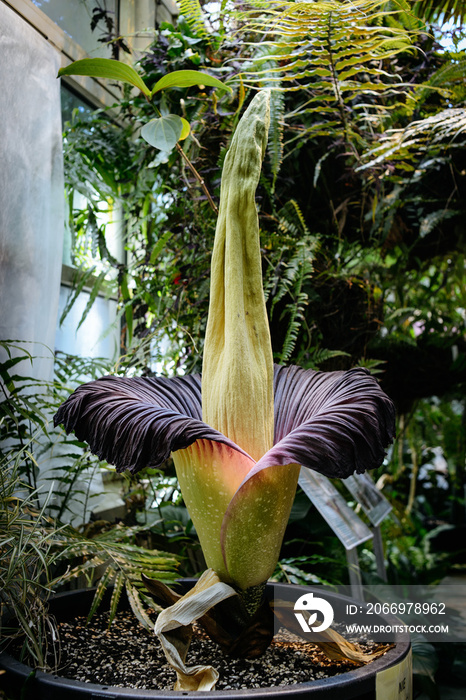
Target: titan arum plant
[[239, 434]]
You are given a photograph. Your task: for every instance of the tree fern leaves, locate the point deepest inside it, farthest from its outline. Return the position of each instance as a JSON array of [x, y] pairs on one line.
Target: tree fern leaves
[[332, 50], [192, 12]]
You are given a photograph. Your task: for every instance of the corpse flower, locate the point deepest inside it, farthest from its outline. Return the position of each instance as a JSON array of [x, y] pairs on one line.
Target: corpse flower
[[239, 434]]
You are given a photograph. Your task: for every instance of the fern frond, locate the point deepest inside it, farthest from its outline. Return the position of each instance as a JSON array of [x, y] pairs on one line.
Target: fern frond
[[298, 270], [192, 12], [321, 355], [437, 130], [275, 144], [454, 72], [294, 326], [375, 366], [334, 51], [300, 216], [294, 269], [432, 220]]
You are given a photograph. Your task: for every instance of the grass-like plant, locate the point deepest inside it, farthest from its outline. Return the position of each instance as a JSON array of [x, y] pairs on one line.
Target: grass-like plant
[[26, 558], [37, 556]]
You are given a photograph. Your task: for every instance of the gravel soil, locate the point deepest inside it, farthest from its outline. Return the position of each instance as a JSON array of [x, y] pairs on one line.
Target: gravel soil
[[128, 656]]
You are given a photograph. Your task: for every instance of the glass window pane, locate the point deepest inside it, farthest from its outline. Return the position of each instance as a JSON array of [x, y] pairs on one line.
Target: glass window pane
[[70, 101], [98, 336], [75, 16]]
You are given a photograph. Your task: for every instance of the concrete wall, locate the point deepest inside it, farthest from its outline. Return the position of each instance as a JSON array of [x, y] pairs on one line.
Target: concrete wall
[[31, 188]]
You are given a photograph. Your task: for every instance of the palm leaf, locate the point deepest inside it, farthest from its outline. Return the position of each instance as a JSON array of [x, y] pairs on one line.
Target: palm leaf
[[116, 595], [82, 277], [100, 590], [138, 608], [125, 563]]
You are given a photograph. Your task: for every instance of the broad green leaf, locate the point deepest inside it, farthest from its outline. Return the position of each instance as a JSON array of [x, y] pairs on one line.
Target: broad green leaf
[[186, 78], [106, 68], [164, 132], [186, 130]]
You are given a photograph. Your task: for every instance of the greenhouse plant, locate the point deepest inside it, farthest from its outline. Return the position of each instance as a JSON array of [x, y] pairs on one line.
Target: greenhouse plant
[[339, 251], [239, 435]]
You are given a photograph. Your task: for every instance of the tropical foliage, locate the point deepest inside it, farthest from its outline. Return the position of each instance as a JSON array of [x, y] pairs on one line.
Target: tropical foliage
[[45, 482], [361, 201], [362, 234]]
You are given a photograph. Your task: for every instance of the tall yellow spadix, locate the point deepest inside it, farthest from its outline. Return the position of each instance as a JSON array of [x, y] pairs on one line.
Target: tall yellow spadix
[[237, 375]]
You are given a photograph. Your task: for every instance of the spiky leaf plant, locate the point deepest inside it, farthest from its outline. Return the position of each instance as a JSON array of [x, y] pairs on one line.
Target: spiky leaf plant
[[111, 558]]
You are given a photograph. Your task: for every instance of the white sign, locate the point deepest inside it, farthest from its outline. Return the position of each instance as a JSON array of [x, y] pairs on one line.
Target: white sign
[[396, 682]]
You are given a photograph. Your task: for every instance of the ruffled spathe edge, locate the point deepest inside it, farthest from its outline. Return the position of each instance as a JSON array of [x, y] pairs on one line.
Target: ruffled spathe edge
[[137, 422], [333, 422]]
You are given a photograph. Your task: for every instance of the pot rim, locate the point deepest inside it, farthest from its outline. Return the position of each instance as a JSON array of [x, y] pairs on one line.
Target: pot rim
[[359, 680]]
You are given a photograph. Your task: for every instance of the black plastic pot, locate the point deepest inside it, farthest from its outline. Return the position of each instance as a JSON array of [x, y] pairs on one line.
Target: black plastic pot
[[358, 684]]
